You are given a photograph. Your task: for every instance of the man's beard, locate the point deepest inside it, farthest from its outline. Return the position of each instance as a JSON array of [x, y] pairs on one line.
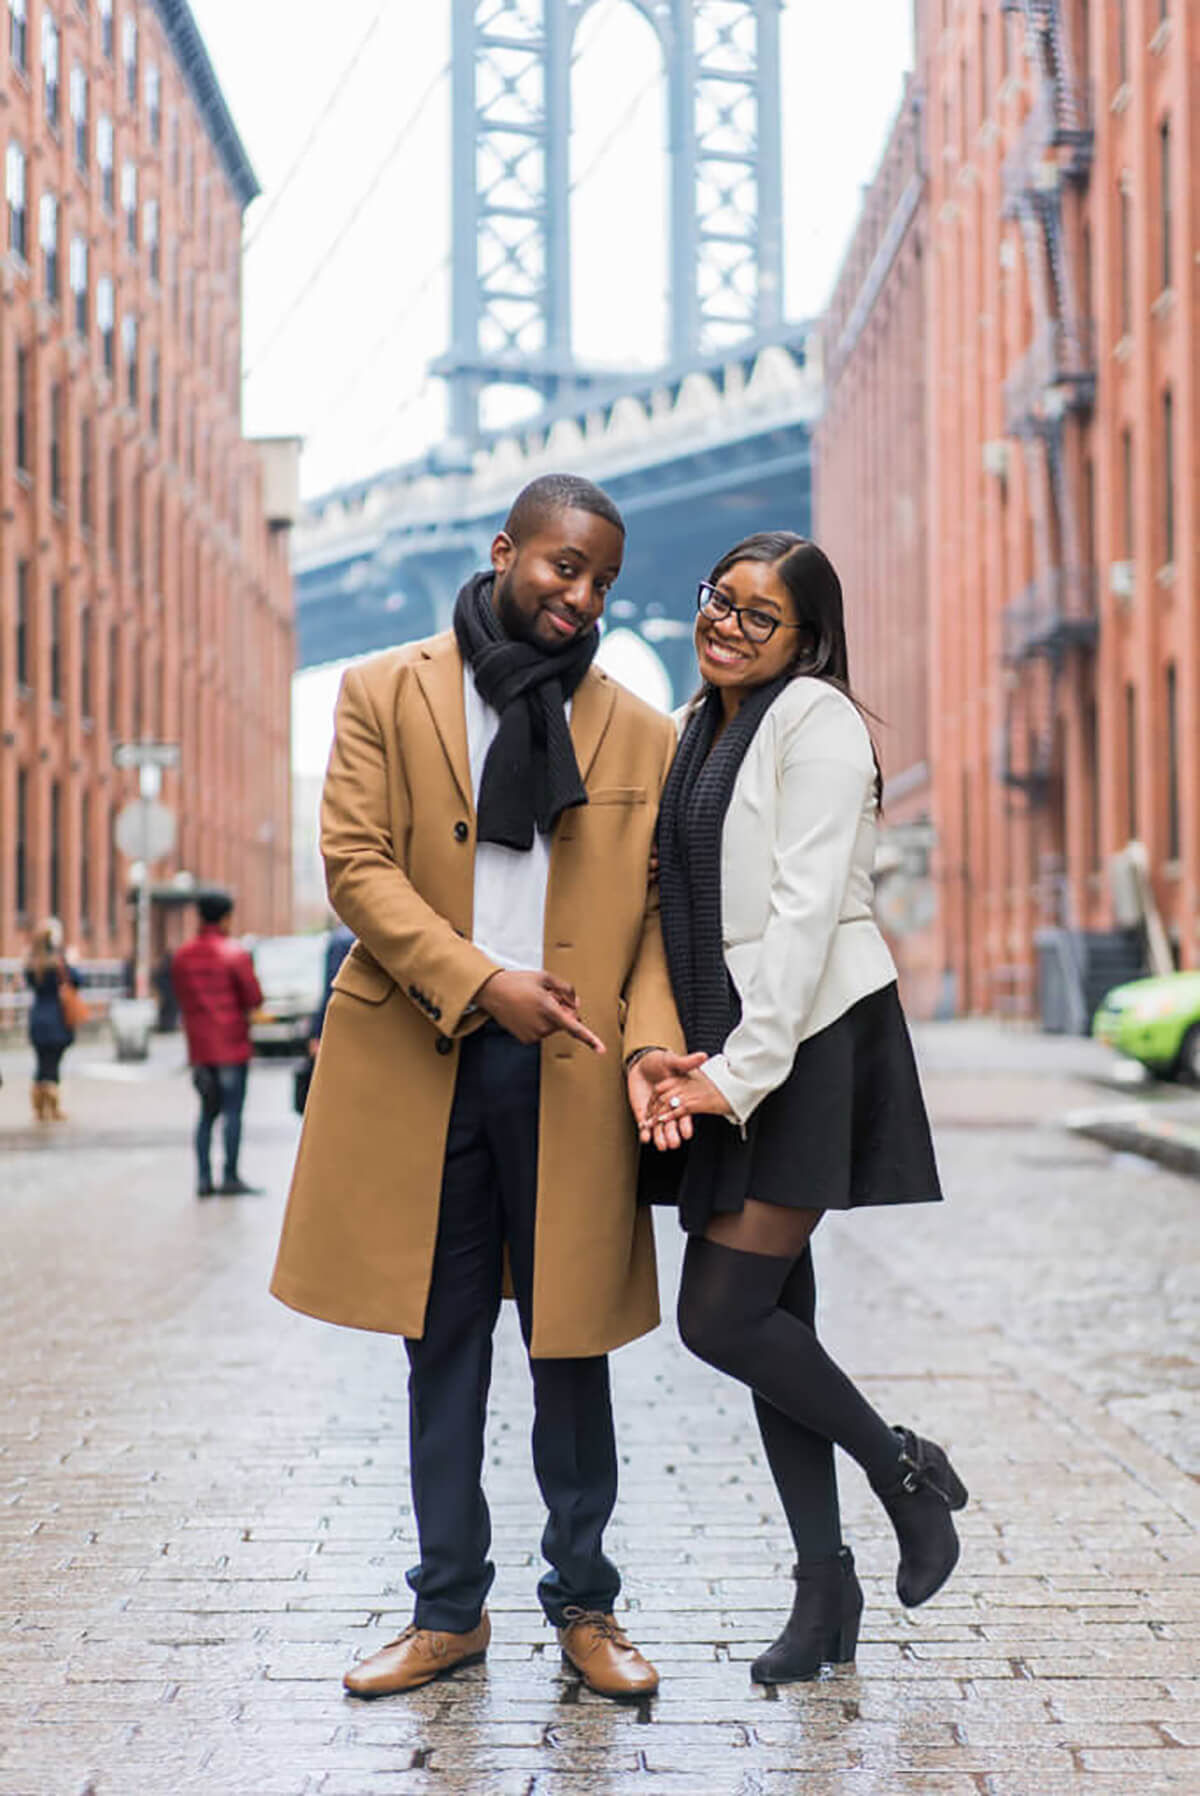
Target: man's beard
[[517, 625]]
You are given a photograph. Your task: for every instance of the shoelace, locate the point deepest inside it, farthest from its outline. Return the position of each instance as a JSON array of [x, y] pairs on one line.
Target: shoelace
[[605, 1625]]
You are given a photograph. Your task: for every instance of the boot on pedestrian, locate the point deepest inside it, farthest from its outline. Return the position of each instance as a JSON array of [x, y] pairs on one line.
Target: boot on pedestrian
[[823, 1626], [37, 1095], [919, 1502], [54, 1109]]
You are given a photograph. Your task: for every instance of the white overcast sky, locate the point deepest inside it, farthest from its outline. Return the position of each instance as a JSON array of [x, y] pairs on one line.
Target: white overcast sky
[[346, 283]]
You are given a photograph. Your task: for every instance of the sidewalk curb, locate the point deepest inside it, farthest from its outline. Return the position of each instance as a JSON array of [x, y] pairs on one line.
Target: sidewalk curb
[[1139, 1129]]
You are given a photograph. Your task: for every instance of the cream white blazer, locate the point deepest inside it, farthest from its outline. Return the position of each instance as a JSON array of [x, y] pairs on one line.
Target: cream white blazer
[[800, 938]]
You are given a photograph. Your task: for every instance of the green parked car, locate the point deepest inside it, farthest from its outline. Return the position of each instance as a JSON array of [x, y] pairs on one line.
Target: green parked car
[[1156, 1021]]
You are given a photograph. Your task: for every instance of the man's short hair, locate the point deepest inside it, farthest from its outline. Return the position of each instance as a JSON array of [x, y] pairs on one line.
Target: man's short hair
[[551, 494], [214, 907]]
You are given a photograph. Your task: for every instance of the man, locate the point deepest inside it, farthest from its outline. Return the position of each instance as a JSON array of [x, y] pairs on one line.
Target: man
[[487, 826], [338, 944], [217, 989]]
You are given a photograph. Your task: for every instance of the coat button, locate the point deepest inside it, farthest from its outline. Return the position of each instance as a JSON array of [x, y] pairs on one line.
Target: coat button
[[445, 1045], [461, 832]]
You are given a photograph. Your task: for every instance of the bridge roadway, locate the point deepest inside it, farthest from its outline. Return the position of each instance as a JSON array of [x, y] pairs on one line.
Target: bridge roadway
[[695, 457]]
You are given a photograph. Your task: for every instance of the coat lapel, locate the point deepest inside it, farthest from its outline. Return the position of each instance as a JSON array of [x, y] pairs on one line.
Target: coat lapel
[[440, 676], [591, 709]]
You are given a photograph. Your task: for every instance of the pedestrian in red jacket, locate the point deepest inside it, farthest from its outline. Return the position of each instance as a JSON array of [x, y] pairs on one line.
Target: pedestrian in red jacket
[[217, 989]]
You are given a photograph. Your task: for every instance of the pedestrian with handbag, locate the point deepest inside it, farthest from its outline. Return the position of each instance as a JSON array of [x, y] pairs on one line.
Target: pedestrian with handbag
[[217, 989], [808, 1097], [55, 1013]]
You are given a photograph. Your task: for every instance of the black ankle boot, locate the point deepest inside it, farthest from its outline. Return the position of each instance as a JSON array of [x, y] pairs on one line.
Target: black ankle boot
[[823, 1627], [926, 1489]]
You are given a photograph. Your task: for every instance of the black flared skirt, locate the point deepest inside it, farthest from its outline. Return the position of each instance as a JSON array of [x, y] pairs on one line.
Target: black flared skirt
[[847, 1128]]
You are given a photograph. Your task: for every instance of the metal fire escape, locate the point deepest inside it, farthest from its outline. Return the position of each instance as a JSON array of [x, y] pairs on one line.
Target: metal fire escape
[[1054, 383], [512, 188]]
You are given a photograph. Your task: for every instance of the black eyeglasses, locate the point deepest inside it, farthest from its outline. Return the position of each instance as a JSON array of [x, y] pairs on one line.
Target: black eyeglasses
[[755, 625]]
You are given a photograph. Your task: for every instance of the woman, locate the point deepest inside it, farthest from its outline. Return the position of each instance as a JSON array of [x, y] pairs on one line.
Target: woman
[[46, 973], [807, 1099]]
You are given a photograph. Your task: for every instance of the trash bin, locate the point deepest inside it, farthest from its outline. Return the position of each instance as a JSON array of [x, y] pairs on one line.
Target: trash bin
[[132, 1021]]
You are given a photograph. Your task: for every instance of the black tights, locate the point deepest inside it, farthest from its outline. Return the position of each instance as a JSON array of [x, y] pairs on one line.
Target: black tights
[[751, 1315]]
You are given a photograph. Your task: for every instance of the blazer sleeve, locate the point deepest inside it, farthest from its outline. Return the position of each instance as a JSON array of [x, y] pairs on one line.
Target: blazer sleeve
[[369, 889], [825, 772], [651, 1020]]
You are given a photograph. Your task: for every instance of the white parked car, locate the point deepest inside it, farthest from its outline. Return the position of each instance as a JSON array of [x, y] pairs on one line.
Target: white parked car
[[291, 971]]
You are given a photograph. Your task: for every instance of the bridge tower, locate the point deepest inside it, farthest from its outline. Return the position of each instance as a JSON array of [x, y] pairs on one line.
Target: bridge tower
[[511, 294]]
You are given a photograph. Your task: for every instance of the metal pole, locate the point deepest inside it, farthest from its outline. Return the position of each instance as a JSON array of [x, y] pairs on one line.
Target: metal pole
[[464, 386], [770, 168], [150, 784], [556, 148], [685, 310]]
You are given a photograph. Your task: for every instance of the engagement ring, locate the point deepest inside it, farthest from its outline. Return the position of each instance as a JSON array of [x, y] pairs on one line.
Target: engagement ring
[[674, 1103]]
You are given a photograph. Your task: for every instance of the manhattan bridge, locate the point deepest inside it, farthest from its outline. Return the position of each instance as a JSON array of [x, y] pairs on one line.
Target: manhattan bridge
[[713, 445]]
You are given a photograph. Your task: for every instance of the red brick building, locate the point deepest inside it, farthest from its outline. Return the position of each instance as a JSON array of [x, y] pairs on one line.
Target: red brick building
[[144, 583], [1060, 144]]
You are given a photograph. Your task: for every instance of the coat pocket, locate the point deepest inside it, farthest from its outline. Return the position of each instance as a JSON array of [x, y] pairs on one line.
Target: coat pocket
[[364, 978], [618, 795]]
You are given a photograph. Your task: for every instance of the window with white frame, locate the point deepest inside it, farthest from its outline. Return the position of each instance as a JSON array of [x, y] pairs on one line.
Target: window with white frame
[[48, 238], [150, 226], [105, 150], [79, 283], [154, 103], [129, 56], [79, 115], [106, 319], [51, 76], [18, 35], [129, 349], [14, 187], [129, 202], [106, 27]]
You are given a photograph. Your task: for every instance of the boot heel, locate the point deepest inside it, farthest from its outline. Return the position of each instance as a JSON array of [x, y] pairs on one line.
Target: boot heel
[[846, 1647]]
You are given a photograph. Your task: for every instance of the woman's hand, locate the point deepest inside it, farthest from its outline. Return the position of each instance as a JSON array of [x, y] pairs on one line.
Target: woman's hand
[[643, 1077], [677, 1099]]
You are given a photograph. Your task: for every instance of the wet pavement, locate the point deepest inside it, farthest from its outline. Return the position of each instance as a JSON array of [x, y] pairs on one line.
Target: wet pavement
[[204, 1514]]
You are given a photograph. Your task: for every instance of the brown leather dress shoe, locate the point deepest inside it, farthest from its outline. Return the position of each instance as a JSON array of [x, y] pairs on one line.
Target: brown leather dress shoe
[[416, 1658], [604, 1656]]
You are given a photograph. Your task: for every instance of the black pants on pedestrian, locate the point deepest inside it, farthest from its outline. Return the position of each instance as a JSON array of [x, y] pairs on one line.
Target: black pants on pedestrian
[[49, 1063], [488, 1202], [222, 1092]]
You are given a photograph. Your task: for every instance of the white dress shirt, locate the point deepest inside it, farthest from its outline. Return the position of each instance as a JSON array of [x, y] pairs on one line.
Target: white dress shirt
[[510, 883], [797, 855]]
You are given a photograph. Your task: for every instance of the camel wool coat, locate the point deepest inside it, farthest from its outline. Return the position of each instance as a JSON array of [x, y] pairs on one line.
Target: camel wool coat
[[398, 839]]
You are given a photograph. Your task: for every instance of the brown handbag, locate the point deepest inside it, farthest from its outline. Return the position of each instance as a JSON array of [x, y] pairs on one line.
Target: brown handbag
[[75, 1011]]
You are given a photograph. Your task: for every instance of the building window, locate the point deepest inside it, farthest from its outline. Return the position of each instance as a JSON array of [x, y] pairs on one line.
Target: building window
[[18, 217], [155, 391], [85, 473], [1091, 749], [56, 444], [1127, 493], [79, 116], [173, 265], [150, 226], [129, 202], [1131, 809], [176, 415], [1168, 438], [24, 633], [114, 680], [106, 28], [85, 861], [56, 657], [22, 410], [174, 164], [48, 233], [129, 349], [106, 319], [51, 76], [154, 103], [55, 848], [1164, 201], [104, 156], [21, 859], [1122, 41], [985, 62], [129, 56], [1126, 265], [79, 284], [1172, 765], [114, 507], [18, 35]]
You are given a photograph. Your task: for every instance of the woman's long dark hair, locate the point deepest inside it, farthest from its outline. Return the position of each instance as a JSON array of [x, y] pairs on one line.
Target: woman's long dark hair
[[816, 595]]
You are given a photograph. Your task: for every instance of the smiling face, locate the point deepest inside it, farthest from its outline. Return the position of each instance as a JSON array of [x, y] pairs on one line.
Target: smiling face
[[728, 659], [551, 586]]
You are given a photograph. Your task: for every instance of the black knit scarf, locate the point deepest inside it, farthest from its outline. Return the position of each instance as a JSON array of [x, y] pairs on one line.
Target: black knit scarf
[[531, 775], [690, 825]]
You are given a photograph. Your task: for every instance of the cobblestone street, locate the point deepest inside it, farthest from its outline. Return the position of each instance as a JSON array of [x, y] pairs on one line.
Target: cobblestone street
[[204, 1514]]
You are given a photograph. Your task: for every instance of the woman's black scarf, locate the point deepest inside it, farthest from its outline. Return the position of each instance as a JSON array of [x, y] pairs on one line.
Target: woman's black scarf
[[531, 775], [691, 821]]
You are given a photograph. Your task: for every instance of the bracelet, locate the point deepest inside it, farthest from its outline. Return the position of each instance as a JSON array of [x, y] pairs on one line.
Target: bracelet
[[631, 1060]]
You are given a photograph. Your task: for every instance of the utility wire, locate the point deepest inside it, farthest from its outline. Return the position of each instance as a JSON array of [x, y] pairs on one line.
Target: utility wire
[[625, 119], [326, 258], [301, 156]]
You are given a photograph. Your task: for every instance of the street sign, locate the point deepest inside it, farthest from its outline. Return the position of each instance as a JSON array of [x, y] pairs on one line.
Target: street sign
[[146, 754], [145, 830]]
